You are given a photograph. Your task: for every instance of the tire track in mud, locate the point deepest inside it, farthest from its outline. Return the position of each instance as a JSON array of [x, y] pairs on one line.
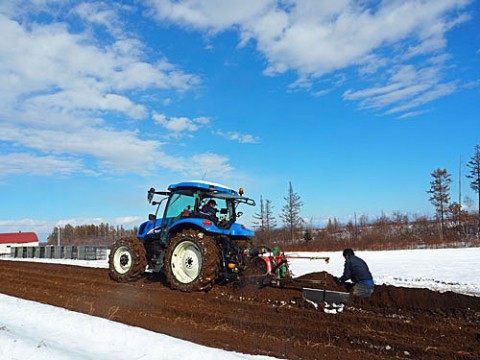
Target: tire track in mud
[[394, 323]]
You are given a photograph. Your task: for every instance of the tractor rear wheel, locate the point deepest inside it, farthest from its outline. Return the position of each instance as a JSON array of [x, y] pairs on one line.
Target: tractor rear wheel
[[192, 261], [127, 260]]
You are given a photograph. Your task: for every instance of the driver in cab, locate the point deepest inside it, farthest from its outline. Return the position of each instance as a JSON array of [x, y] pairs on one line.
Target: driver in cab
[[209, 210]]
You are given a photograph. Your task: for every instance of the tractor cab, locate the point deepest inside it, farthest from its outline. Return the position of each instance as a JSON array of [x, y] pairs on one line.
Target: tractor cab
[[184, 203]]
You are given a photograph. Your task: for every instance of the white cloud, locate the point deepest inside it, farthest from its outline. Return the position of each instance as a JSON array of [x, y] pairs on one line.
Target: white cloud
[[411, 114], [406, 88], [315, 38], [210, 165], [115, 150], [58, 88], [472, 84], [88, 99], [100, 13], [435, 93], [311, 36], [27, 225], [180, 124], [215, 15], [23, 163], [47, 60], [241, 138], [44, 227]]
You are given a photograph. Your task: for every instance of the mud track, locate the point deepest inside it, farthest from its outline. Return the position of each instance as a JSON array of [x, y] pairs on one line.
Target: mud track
[[396, 323]]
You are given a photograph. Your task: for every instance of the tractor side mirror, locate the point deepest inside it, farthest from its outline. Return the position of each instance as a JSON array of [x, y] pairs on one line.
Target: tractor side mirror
[[152, 217], [150, 194]]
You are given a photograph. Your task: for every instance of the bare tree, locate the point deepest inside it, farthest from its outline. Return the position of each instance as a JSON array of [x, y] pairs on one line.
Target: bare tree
[[264, 220], [270, 222], [454, 214], [291, 211], [440, 194], [260, 218], [474, 165], [333, 227]]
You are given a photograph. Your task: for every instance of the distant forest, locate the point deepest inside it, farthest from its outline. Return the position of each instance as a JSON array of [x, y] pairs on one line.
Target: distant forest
[[398, 231], [103, 234], [452, 226]]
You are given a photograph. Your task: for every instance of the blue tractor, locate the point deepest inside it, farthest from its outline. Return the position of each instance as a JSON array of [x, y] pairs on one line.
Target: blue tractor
[[195, 243]]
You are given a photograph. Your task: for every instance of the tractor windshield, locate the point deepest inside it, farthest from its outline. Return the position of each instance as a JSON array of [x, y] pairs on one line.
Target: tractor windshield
[[180, 205], [192, 202], [184, 204]]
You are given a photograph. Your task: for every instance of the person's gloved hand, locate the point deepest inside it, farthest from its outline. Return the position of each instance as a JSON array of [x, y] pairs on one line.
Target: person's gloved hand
[[337, 280]]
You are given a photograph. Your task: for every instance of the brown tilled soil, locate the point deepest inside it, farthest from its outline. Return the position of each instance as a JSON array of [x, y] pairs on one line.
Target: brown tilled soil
[[395, 323]]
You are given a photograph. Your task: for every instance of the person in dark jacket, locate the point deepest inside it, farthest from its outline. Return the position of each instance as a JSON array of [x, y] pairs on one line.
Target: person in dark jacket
[[209, 210], [357, 271]]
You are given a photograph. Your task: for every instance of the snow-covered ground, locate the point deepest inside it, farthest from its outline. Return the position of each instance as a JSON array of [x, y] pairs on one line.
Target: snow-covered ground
[[30, 330]]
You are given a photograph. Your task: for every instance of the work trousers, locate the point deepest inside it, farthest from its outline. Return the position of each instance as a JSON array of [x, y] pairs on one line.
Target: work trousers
[[363, 288]]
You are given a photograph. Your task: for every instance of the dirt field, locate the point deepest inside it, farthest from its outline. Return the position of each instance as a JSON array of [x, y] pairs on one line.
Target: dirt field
[[395, 323]]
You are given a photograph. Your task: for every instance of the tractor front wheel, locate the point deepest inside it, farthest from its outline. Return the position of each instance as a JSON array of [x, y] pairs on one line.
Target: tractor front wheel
[[192, 261], [127, 260]]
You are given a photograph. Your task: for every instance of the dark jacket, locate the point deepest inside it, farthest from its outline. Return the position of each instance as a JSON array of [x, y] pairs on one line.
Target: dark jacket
[[355, 269], [208, 211]]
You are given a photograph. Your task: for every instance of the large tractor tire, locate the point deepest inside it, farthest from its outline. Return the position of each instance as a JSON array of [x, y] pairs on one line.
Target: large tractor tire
[[192, 261], [127, 260]]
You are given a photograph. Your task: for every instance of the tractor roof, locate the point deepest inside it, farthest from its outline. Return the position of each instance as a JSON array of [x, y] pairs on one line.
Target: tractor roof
[[202, 185]]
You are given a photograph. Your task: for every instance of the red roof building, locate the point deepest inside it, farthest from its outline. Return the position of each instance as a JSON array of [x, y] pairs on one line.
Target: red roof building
[[18, 238]]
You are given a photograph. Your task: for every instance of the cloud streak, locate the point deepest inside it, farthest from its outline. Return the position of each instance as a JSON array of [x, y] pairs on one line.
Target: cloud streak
[[24, 163], [180, 125], [239, 137]]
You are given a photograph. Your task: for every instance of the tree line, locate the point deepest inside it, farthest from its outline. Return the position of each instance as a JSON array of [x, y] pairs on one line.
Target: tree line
[[450, 215], [452, 225], [102, 234]]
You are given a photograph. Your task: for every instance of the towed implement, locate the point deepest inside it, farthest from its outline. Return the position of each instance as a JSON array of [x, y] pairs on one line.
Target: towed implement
[[270, 267], [195, 240]]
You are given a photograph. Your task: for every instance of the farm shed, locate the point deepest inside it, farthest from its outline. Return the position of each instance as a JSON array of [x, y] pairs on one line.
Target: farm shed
[[8, 240]]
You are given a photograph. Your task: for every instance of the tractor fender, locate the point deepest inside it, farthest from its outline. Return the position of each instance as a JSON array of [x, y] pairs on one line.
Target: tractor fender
[[210, 227], [240, 230], [201, 224]]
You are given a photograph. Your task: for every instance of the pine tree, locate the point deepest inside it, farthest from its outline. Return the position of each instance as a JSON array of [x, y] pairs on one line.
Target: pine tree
[[291, 211], [307, 235], [474, 165], [440, 194]]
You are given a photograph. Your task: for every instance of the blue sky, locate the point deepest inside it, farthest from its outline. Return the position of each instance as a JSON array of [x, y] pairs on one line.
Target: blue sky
[[354, 102]]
